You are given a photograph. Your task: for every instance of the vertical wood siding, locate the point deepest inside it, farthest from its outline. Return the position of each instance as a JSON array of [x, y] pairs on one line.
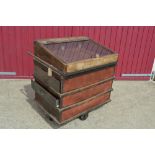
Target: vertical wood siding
[[135, 45]]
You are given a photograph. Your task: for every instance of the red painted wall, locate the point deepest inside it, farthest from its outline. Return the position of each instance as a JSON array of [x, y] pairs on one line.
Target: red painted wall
[[135, 45]]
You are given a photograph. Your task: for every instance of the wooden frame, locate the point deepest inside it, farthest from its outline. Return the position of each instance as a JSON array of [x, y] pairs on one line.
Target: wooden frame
[[58, 112], [44, 53], [80, 79]]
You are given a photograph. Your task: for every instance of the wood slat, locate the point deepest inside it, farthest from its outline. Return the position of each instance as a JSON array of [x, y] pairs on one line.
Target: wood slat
[[69, 113], [82, 81]]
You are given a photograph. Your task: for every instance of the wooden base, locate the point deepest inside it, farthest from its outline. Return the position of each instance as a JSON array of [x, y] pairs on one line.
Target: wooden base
[[56, 117], [65, 114]]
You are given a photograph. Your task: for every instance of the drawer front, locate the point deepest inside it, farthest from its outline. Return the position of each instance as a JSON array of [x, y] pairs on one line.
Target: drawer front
[[87, 79], [47, 107], [72, 112], [44, 94], [87, 93], [40, 74]]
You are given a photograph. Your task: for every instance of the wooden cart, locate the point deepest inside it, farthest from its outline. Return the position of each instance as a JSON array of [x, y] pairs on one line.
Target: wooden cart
[[72, 76]]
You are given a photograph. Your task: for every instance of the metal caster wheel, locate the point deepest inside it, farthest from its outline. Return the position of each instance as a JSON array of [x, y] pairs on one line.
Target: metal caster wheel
[[83, 117]]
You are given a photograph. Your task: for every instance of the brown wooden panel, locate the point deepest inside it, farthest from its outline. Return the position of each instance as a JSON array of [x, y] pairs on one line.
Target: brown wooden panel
[[47, 106], [67, 114], [87, 93], [47, 81], [44, 54], [70, 59], [48, 97], [93, 62], [87, 79]]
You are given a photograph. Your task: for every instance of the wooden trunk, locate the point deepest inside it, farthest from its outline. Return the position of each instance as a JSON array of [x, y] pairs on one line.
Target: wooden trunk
[[72, 76]]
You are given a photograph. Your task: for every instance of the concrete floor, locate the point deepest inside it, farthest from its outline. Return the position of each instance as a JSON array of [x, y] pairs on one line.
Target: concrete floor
[[132, 106]]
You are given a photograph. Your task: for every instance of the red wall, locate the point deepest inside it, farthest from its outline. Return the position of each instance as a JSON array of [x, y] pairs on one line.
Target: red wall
[[135, 45]]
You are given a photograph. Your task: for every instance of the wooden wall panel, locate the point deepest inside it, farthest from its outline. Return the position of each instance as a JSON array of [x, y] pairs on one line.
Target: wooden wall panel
[[135, 45]]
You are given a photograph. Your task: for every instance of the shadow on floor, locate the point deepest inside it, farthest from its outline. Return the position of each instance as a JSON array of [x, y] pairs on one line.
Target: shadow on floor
[[29, 93]]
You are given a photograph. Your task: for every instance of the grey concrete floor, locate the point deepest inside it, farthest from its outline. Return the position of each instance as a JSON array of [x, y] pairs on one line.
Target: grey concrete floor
[[132, 106]]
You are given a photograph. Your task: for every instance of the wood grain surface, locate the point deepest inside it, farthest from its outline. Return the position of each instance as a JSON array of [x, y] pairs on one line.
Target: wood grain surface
[[67, 114], [85, 94], [88, 79]]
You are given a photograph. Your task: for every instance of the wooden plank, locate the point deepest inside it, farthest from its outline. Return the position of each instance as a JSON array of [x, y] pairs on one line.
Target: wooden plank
[[51, 82], [86, 93], [49, 98], [67, 114], [82, 80], [88, 63], [47, 106], [44, 54]]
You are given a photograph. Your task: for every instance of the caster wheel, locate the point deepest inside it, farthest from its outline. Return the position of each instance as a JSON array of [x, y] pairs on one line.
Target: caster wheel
[[83, 117]]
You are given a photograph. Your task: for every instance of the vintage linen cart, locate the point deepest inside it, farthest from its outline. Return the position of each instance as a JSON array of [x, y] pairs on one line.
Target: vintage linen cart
[[72, 76]]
